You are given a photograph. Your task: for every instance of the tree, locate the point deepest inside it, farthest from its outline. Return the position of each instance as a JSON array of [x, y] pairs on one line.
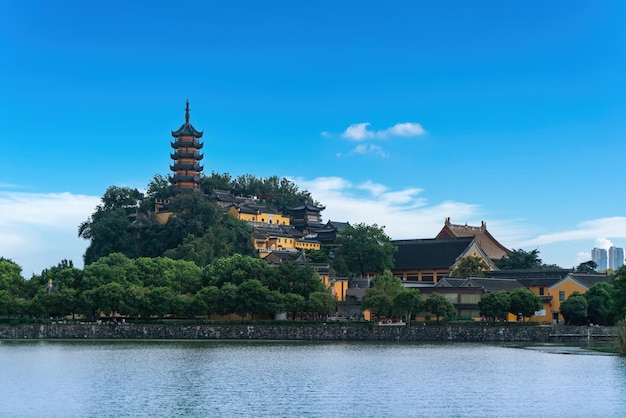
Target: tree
[[574, 309], [237, 269], [252, 297], [495, 305], [366, 249], [470, 266], [520, 259], [160, 301], [600, 304], [587, 267], [524, 302], [321, 303], [293, 277], [440, 306], [206, 300], [380, 297], [294, 303], [378, 302], [619, 297], [227, 299], [408, 302]]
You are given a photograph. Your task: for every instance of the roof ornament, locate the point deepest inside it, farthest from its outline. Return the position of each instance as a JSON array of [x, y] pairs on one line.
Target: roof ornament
[[187, 112]]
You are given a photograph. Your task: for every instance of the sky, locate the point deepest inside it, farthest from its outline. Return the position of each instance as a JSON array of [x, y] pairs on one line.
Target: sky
[[399, 114]]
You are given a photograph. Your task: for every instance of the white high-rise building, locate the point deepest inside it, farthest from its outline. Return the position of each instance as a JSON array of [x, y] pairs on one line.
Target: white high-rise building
[[616, 258], [599, 256]]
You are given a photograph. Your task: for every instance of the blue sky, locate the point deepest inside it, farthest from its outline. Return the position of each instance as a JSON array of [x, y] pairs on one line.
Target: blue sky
[[399, 114]]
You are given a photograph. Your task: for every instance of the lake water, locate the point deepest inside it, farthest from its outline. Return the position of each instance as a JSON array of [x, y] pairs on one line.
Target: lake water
[[299, 379]]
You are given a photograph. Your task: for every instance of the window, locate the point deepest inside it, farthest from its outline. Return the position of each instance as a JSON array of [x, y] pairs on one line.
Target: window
[[561, 296], [541, 291]]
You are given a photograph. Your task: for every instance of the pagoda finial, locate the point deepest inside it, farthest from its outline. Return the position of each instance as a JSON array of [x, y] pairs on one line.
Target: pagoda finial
[[187, 112]]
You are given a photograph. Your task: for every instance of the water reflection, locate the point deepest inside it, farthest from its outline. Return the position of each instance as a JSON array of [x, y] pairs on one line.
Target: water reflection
[[270, 379]]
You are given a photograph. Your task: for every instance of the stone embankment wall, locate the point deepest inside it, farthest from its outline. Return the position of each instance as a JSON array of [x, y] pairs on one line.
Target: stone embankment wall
[[334, 332]]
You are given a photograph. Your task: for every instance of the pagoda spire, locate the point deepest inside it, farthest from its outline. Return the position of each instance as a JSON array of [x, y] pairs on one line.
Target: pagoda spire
[[187, 112]]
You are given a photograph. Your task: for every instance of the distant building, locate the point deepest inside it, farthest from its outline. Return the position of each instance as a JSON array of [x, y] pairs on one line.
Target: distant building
[[599, 256], [616, 258]]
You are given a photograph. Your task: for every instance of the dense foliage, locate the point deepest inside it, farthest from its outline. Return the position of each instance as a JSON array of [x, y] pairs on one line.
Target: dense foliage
[[387, 297], [470, 266], [125, 220], [155, 287], [495, 305], [365, 249]]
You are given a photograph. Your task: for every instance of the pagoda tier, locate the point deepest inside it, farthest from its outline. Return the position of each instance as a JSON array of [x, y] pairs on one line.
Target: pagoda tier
[[186, 166], [184, 154], [186, 169], [186, 142]]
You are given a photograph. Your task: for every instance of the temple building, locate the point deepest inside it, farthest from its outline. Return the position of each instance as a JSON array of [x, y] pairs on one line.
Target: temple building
[[494, 250], [186, 157]]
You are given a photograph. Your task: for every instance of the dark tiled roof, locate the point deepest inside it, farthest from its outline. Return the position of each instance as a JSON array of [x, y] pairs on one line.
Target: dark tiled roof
[[538, 281], [528, 273], [306, 206], [493, 285], [420, 254], [339, 226], [589, 279]]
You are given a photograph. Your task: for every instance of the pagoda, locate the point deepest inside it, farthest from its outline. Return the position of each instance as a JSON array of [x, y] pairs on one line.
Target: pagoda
[[186, 157]]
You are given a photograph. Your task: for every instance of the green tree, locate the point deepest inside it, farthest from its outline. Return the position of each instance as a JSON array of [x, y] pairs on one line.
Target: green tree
[[227, 300], [321, 303], [378, 302], [408, 302], [252, 297], [237, 269], [470, 266], [299, 278], [160, 301], [587, 267], [206, 300], [524, 302], [619, 296], [520, 259], [601, 307], [366, 249], [379, 298], [11, 278], [574, 309], [440, 306], [294, 303], [495, 305]]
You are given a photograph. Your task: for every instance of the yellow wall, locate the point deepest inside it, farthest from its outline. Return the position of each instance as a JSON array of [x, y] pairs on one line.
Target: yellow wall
[[268, 218], [307, 245], [567, 286]]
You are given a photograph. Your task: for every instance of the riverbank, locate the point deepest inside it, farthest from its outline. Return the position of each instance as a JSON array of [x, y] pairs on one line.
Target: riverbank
[[318, 332]]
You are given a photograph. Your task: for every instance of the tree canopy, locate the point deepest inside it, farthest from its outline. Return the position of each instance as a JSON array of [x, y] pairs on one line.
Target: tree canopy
[[574, 309], [365, 249], [524, 302], [520, 259], [440, 306], [495, 305], [470, 266]]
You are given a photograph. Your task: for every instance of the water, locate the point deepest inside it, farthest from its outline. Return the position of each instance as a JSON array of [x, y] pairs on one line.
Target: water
[[299, 379]]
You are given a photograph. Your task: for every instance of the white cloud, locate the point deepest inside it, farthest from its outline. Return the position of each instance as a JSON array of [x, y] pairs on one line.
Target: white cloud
[[403, 213], [39, 230], [369, 149], [359, 131], [604, 243], [613, 227]]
